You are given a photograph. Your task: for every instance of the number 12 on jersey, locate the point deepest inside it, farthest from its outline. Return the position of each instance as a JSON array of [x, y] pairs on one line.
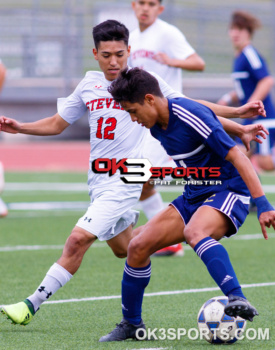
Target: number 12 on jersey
[[104, 130]]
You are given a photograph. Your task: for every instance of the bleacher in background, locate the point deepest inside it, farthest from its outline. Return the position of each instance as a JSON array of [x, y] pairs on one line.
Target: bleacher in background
[[47, 47]]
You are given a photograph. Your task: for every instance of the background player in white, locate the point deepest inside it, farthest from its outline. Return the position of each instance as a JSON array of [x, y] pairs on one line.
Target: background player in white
[[3, 207], [112, 135], [159, 47]]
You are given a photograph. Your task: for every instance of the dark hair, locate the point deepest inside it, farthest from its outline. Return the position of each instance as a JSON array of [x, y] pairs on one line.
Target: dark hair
[[110, 30], [133, 84], [245, 20]]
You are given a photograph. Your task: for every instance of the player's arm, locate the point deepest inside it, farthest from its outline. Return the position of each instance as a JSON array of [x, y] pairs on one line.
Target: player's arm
[[266, 213], [192, 62], [249, 110], [246, 133], [53, 125], [263, 88]]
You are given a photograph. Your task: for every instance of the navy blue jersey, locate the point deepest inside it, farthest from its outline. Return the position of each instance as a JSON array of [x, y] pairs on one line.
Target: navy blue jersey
[[248, 69], [195, 138]]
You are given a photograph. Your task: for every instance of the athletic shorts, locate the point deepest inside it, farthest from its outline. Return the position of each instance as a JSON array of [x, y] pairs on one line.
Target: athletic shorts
[[110, 213], [233, 205]]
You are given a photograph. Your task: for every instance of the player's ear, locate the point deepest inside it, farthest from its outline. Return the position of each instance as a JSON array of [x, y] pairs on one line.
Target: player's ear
[[128, 50], [161, 9], [95, 54], [150, 99], [133, 5]]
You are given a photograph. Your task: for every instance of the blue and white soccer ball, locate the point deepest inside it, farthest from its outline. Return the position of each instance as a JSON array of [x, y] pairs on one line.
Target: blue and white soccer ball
[[215, 326]]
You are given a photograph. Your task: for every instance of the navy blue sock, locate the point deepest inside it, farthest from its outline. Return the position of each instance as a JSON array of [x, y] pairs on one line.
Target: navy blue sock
[[135, 280], [217, 261]]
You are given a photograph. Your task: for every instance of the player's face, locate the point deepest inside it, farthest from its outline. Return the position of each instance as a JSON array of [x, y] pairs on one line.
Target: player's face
[[112, 57], [240, 37], [147, 11], [144, 114]]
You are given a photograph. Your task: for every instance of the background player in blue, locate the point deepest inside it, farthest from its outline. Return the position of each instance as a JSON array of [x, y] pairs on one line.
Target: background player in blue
[[190, 133], [252, 81]]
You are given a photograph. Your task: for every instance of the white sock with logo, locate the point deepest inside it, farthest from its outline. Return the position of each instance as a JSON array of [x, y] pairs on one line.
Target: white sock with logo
[[152, 205], [55, 278]]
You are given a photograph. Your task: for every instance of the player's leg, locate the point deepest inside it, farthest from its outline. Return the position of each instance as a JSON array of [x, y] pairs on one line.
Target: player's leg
[[205, 228], [119, 244], [150, 200], [164, 229], [57, 276], [105, 218], [3, 207]]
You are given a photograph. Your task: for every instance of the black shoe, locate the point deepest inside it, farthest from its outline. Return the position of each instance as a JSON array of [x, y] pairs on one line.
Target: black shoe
[[125, 330], [238, 306]]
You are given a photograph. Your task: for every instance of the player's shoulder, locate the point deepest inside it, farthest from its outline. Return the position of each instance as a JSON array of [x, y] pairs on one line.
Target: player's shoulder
[[93, 75], [93, 80], [186, 106], [252, 56], [166, 28]]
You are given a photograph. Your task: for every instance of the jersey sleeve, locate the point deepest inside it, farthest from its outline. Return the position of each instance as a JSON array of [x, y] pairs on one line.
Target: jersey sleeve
[[166, 89], [72, 107], [177, 46], [256, 64]]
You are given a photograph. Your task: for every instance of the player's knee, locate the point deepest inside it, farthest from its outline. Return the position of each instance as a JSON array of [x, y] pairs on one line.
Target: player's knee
[[138, 250], [77, 241], [120, 253], [193, 235]]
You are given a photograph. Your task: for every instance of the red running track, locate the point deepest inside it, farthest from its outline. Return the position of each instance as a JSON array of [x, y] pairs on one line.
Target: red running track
[[46, 156]]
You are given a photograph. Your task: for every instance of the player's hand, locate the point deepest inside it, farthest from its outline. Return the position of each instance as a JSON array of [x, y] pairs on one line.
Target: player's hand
[[267, 219], [251, 110], [9, 125], [162, 58], [252, 132]]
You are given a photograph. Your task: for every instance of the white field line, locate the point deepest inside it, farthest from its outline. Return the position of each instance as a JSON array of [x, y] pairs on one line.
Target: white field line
[[173, 292], [66, 205], [103, 244], [83, 187]]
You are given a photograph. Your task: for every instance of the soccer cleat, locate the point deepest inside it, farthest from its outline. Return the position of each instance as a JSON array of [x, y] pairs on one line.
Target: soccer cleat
[[20, 313], [238, 306], [173, 250], [125, 330]]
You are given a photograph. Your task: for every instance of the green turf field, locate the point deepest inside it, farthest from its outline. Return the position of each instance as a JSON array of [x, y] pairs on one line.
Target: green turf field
[[79, 324]]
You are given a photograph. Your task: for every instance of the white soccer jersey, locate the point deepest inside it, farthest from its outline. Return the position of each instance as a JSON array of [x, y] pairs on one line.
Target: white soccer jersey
[[160, 37], [112, 133]]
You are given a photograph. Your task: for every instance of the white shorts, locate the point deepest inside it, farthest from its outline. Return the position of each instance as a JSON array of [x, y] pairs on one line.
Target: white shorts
[[110, 213]]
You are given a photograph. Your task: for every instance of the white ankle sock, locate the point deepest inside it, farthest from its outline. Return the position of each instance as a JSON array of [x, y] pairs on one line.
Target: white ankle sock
[[152, 205], [55, 278]]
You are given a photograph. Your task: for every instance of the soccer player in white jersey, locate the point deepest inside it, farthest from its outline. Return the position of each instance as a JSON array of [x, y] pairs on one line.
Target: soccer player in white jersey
[[3, 207], [159, 47], [112, 135]]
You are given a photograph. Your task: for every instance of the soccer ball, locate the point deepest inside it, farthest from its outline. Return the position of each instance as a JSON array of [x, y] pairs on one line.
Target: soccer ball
[[215, 326]]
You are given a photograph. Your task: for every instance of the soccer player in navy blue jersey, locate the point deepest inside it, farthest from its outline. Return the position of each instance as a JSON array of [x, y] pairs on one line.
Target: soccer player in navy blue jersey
[[192, 135], [252, 80]]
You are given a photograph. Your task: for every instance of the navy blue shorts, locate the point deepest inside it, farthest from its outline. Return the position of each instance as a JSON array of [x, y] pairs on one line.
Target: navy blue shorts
[[233, 205]]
